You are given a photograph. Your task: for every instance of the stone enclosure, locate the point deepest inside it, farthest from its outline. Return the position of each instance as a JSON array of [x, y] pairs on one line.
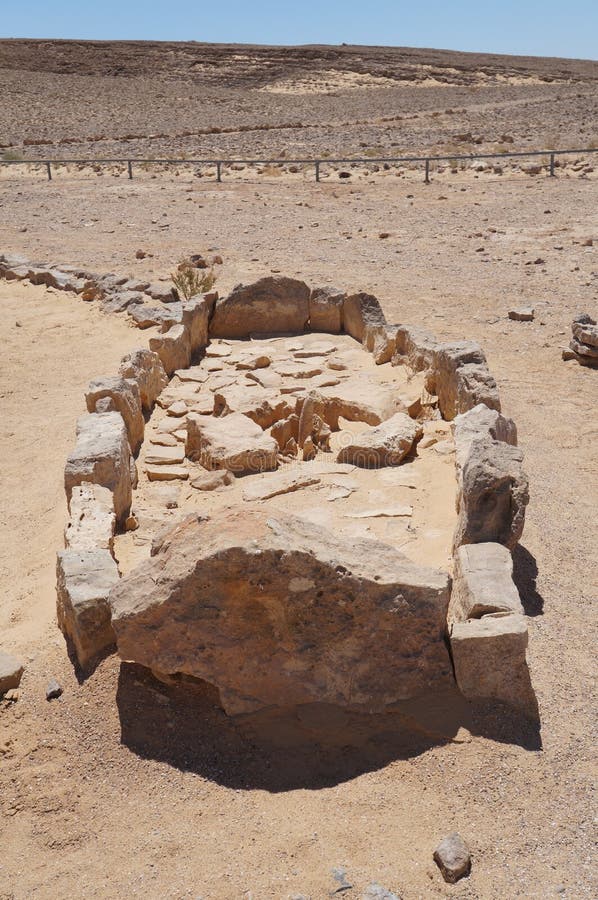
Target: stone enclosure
[[296, 501]]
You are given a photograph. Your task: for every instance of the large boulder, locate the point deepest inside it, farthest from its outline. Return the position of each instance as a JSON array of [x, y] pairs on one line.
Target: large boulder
[[483, 582], [83, 582], [233, 442], [272, 305], [276, 611], [386, 445], [102, 456], [361, 313], [489, 659], [326, 310], [493, 494], [145, 368], [126, 400]]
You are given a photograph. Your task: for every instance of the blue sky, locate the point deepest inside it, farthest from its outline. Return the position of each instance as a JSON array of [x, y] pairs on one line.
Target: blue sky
[[528, 27]]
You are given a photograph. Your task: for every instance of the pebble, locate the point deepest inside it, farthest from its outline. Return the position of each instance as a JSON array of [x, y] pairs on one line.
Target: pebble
[[53, 690], [453, 858]]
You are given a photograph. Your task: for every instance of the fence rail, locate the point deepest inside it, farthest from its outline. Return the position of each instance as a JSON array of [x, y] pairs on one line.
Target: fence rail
[[318, 163]]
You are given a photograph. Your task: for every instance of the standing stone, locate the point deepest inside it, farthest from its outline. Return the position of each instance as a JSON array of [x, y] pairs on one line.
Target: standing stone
[[125, 398], [92, 522], [489, 659], [83, 582], [277, 611], [492, 496], [144, 367], [326, 310], [196, 318], [453, 858], [272, 305], [173, 348], [414, 347], [483, 582], [480, 422], [361, 312], [102, 456]]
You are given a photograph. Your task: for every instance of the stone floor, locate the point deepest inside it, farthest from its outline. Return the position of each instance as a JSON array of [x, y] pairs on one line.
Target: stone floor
[[410, 506]]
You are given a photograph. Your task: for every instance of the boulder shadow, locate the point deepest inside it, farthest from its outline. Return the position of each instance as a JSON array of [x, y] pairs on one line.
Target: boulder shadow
[[311, 747], [525, 574]]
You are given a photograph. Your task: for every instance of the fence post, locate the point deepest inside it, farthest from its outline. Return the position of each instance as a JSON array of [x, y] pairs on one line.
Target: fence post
[[552, 165], [317, 161], [130, 168], [427, 178], [218, 171], [49, 169]]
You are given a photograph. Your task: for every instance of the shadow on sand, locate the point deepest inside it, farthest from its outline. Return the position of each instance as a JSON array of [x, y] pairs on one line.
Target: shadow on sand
[[525, 574], [310, 747]]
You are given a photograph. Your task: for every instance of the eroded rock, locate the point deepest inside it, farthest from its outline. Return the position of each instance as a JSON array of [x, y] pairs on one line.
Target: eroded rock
[[386, 445], [233, 442], [285, 613], [102, 456], [272, 305]]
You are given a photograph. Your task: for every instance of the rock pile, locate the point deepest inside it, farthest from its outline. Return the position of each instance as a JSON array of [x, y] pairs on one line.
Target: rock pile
[[584, 342], [284, 611]]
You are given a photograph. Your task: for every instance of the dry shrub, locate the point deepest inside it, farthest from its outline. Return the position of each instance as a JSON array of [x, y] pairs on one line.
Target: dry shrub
[[189, 281]]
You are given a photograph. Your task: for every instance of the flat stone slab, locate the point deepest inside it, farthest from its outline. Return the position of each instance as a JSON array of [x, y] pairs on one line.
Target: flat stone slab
[[278, 483], [165, 456], [166, 473], [381, 512]]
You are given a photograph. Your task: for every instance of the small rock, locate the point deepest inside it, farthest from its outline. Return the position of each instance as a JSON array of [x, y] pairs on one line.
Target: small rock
[[211, 481], [12, 696], [522, 314], [377, 892], [53, 690], [453, 858], [140, 254], [131, 523]]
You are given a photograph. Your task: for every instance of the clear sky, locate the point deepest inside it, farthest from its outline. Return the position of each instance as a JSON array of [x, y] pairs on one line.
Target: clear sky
[[527, 27]]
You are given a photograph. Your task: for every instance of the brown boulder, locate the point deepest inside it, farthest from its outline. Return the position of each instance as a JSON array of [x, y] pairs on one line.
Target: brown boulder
[[272, 305], [276, 611]]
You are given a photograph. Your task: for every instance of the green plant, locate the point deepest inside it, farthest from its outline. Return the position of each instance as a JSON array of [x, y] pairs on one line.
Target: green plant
[[190, 281], [9, 155]]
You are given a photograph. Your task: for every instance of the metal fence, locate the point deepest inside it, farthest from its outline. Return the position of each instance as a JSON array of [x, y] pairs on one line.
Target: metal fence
[[220, 164]]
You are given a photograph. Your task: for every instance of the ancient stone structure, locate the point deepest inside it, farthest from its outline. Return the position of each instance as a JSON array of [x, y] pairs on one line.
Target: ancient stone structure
[[584, 341], [276, 609]]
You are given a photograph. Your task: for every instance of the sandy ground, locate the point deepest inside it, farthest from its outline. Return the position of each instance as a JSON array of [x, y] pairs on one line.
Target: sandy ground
[[126, 788]]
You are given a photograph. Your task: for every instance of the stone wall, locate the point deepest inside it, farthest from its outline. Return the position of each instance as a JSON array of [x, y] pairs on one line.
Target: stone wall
[[485, 624]]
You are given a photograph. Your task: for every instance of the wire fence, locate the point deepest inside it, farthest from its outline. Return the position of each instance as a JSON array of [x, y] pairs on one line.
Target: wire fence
[[318, 163]]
